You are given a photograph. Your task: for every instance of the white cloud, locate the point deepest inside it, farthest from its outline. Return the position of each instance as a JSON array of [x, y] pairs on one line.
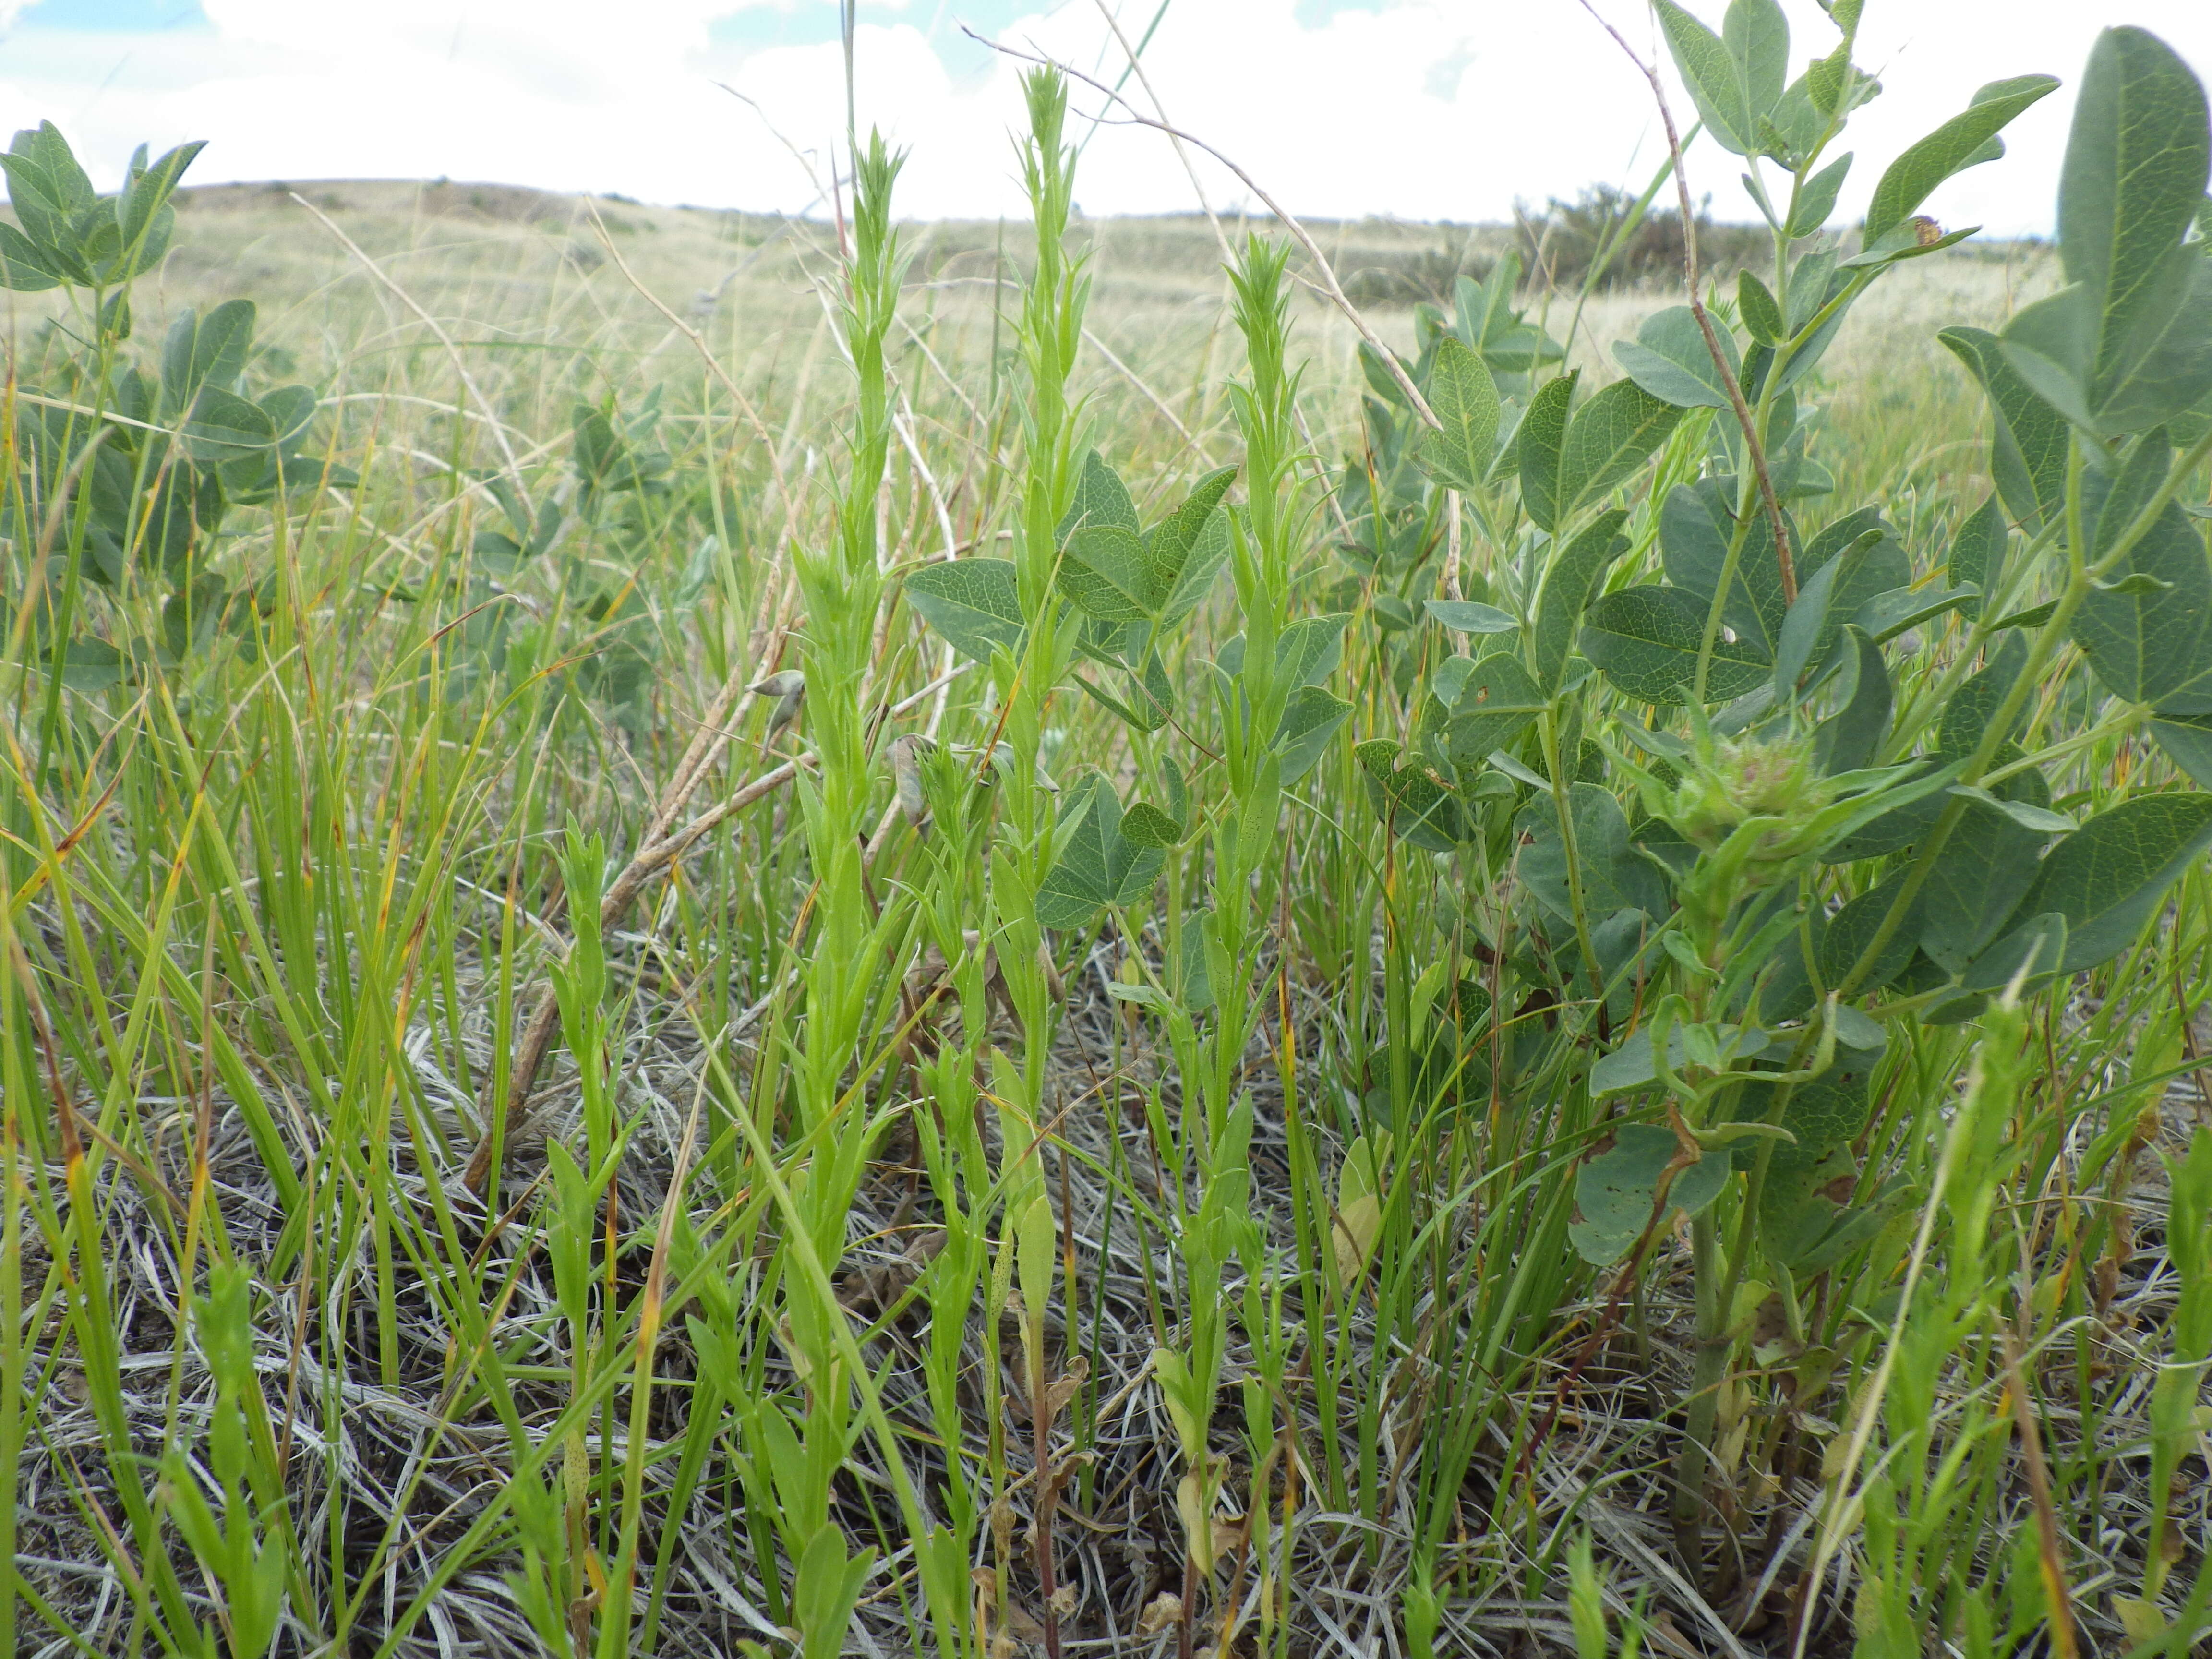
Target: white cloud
[[1420, 108]]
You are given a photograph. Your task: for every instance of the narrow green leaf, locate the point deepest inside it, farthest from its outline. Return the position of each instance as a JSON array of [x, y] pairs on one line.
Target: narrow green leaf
[[1466, 617], [1761, 313], [1959, 142], [1978, 551], [1816, 202], [1538, 441], [1609, 437], [2027, 460], [1568, 584]]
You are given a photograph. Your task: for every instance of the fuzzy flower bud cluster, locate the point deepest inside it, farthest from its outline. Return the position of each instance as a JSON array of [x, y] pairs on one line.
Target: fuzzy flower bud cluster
[[1726, 785]]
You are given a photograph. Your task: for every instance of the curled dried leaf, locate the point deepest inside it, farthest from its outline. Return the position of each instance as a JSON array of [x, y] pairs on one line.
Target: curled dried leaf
[[1165, 1612], [1058, 1394]]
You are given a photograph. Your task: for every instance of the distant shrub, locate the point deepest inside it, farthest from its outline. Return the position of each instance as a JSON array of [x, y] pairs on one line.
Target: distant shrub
[[1600, 225], [1411, 275]]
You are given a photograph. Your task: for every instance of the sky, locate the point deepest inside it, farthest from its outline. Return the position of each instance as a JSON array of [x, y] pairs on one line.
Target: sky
[[1414, 109]]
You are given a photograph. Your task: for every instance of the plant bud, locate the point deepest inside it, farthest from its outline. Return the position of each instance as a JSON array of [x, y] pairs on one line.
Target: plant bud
[[1725, 784], [906, 778], [788, 688]]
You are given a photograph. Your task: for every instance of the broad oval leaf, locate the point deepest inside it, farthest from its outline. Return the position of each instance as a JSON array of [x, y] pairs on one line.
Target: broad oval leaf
[[2108, 876], [1853, 930], [1761, 313], [1735, 80], [973, 603], [1645, 639], [2187, 740], [1107, 572], [1200, 562], [1409, 799], [23, 267], [1670, 358], [223, 426], [1850, 738], [1495, 702], [2147, 633], [1098, 866], [1465, 399], [1146, 825], [1311, 718], [1977, 553], [1817, 201], [2137, 160], [1617, 1193], [1696, 524], [1100, 498], [1977, 881], [1613, 876], [202, 351]]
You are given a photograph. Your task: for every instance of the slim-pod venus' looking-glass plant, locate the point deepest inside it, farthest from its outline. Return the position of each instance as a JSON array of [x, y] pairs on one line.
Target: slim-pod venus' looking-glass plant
[[1744, 866], [1120, 594]]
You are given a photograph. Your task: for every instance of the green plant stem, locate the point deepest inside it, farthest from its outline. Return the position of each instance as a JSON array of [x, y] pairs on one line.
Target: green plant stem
[[1562, 800], [2049, 639], [1701, 1409]]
